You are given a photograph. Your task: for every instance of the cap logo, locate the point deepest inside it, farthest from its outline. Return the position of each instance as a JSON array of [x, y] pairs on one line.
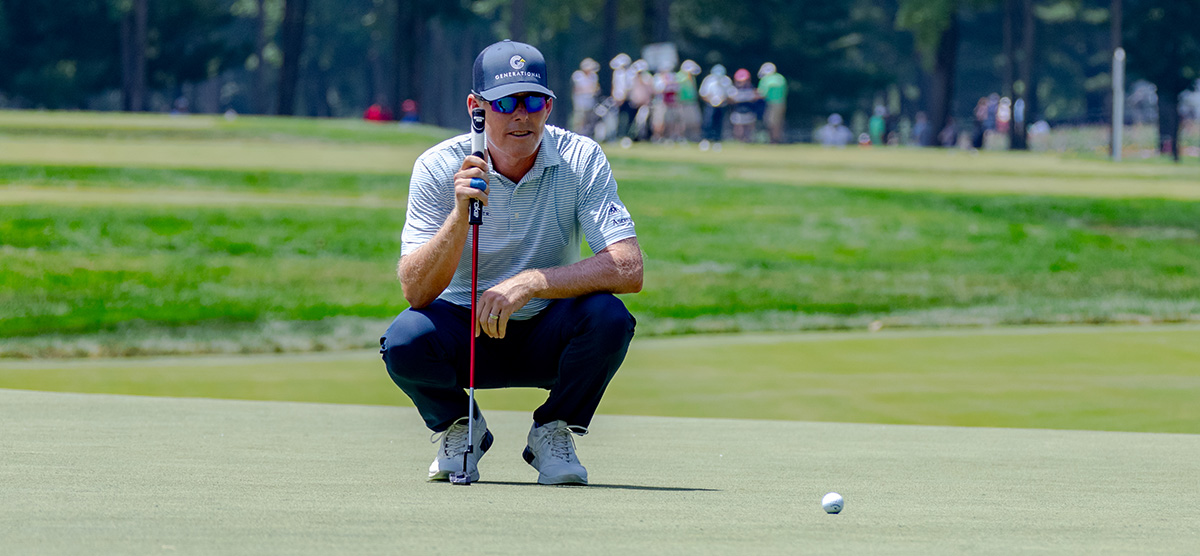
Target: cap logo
[[517, 62]]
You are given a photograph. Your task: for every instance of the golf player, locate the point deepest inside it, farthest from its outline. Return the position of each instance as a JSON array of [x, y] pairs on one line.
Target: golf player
[[546, 317]]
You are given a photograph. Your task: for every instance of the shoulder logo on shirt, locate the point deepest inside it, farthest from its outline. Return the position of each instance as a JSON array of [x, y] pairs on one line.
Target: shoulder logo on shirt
[[617, 215]]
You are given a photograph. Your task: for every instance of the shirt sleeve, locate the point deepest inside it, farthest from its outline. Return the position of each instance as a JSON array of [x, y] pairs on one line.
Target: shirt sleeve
[[603, 216], [430, 201]]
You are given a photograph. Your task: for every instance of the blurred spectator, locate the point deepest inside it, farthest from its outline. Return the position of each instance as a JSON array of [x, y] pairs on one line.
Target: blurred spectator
[[409, 109], [1039, 135], [877, 125], [640, 96], [773, 89], [664, 108], [834, 133], [377, 113], [743, 117], [689, 106], [606, 120], [180, 107], [715, 89], [981, 115], [585, 85], [903, 132], [922, 131], [993, 109], [948, 136], [1189, 103], [1141, 106], [622, 83], [1004, 115]]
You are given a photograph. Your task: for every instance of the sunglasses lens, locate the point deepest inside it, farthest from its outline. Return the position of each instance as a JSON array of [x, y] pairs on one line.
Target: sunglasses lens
[[508, 105], [505, 105], [534, 103]]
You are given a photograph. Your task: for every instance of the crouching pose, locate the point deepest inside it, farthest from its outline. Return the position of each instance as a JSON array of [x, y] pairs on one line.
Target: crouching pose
[[547, 317]]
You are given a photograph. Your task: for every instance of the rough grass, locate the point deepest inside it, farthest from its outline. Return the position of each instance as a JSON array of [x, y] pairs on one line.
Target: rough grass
[[126, 242]]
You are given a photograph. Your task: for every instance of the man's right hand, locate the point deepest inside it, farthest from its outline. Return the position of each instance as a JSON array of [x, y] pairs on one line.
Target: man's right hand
[[472, 167]]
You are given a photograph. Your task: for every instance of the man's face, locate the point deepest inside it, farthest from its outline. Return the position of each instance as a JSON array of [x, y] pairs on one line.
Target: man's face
[[516, 135]]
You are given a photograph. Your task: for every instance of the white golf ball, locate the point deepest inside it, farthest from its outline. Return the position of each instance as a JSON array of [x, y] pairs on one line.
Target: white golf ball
[[833, 503]]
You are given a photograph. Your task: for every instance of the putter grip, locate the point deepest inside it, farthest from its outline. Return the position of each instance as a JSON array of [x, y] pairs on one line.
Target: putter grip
[[476, 207], [478, 144]]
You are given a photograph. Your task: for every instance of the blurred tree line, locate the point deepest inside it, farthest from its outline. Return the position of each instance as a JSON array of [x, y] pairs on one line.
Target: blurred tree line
[[334, 58]]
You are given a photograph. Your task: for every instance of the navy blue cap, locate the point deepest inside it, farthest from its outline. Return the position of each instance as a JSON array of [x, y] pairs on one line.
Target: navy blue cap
[[507, 68]]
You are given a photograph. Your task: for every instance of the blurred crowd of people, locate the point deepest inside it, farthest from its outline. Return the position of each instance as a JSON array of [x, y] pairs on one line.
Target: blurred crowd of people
[[669, 104], [379, 112], [993, 115]]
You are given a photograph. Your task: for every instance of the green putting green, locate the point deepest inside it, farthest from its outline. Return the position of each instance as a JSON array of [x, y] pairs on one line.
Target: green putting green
[[102, 474]]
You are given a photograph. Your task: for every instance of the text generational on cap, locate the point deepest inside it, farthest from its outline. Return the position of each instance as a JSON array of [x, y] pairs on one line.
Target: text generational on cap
[[518, 74]]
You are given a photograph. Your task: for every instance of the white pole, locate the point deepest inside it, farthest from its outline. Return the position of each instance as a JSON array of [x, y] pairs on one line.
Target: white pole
[[1118, 112]]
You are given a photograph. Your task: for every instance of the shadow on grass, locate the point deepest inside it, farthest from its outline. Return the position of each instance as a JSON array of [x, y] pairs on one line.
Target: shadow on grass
[[618, 487]]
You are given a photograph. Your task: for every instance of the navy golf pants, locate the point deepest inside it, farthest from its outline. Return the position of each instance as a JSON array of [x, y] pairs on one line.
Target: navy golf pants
[[572, 348]]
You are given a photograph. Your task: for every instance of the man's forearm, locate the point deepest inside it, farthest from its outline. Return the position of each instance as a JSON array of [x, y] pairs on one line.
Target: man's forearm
[[425, 273], [616, 269]]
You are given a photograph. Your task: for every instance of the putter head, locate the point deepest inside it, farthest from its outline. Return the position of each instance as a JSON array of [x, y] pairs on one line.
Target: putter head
[[460, 478]]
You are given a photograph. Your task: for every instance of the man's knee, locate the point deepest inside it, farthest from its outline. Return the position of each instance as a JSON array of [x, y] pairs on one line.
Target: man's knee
[[408, 348], [607, 316]]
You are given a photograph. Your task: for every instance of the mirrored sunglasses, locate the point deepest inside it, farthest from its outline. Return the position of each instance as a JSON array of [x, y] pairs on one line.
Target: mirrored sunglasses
[[508, 105]]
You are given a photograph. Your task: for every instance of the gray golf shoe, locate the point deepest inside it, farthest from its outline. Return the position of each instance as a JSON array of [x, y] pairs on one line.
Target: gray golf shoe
[[452, 445], [551, 451]]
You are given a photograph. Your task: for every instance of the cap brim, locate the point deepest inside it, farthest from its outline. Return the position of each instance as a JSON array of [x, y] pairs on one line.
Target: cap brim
[[514, 88]]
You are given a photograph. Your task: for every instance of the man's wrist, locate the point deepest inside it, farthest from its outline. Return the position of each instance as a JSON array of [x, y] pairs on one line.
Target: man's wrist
[[458, 215], [532, 282]]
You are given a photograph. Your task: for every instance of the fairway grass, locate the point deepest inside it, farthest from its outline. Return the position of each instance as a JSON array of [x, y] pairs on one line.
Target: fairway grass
[[942, 170], [199, 154], [1138, 379], [149, 234], [103, 474], [125, 125]]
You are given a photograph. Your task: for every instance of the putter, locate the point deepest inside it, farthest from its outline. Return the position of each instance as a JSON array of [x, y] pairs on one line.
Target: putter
[[475, 218]]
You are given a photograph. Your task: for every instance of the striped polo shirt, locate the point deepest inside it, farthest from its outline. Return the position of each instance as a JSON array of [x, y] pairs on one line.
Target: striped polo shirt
[[569, 194]]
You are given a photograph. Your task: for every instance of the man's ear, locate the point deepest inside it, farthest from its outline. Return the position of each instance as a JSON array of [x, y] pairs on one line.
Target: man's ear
[[472, 103], [549, 105]]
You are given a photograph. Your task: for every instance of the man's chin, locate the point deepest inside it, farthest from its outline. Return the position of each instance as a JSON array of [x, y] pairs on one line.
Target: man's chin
[[530, 141], [522, 146]]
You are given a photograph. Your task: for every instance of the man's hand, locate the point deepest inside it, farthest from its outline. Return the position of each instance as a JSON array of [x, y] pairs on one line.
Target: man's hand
[[615, 269], [494, 307], [472, 167]]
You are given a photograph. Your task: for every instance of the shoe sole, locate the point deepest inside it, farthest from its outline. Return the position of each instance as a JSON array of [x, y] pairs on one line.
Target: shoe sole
[[543, 479], [484, 445]]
